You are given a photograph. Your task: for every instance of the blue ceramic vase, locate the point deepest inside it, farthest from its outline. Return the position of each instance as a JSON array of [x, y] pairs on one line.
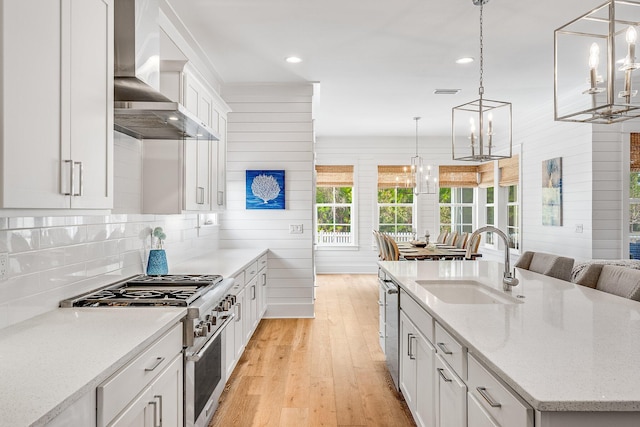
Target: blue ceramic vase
[[157, 264]]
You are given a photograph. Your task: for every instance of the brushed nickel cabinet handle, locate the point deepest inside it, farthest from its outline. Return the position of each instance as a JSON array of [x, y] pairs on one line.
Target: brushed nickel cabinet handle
[[70, 192], [483, 392], [81, 175], [159, 360], [443, 376], [444, 348]]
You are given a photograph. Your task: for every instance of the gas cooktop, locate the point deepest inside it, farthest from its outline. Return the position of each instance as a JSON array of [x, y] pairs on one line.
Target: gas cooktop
[[142, 290]]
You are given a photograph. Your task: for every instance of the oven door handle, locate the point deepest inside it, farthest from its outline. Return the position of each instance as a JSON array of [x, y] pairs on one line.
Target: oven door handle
[[197, 356]]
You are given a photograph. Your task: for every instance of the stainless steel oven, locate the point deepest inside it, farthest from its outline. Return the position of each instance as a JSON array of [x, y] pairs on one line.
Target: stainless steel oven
[[204, 374]]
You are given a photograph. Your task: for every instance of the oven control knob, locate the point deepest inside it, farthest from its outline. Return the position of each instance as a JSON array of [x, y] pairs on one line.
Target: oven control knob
[[200, 330]]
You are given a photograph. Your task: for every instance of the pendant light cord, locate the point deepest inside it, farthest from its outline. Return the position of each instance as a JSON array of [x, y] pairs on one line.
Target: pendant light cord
[[481, 89], [416, 119]]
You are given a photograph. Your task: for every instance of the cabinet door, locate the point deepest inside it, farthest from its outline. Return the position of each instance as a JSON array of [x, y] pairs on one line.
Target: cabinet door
[[221, 172], [477, 416], [251, 319], [90, 109], [240, 338], [31, 155], [451, 397], [408, 361], [425, 355], [196, 174], [162, 399], [262, 300], [230, 345], [168, 395]]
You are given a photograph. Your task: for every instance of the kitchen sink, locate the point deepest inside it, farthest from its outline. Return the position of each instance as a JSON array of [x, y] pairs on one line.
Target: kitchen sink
[[466, 292]]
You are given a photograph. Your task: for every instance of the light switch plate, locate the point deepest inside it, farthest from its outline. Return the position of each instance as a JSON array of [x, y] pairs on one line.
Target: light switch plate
[[296, 229]]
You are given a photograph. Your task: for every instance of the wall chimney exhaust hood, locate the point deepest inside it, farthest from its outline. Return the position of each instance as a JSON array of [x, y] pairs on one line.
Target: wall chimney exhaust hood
[[140, 110]]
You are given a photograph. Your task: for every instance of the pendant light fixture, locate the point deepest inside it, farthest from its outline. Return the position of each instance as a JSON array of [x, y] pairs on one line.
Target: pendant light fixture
[[596, 68], [481, 129], [421, 179]]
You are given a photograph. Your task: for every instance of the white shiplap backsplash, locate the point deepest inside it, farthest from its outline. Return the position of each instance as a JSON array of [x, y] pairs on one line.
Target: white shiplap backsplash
[[271, 128], [56, 257]]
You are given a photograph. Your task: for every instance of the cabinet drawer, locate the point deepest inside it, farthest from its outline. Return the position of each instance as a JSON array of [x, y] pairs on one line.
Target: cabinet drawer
[[239, 281], [116, 392], [454, 353], [506, 407], [419, 316], [262, 261], [251, 271]]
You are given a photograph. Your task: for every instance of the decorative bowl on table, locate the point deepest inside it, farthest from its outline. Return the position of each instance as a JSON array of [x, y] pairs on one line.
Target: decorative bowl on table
[[418, 243]]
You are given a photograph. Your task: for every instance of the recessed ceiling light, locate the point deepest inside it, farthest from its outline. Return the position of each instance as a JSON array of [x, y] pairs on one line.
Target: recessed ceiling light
[[446, 91], [465, 60], [293, 59]]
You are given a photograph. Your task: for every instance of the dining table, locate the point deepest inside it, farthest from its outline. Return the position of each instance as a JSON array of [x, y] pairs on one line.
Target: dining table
[[420, 251]]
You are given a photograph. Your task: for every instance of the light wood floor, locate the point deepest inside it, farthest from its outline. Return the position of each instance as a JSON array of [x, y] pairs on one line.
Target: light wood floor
[[327, 371]]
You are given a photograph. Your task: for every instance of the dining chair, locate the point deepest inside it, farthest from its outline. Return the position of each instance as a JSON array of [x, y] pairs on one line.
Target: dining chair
[[452, 239], [475, 244], [442, 237], [461, 242], [379, 245]]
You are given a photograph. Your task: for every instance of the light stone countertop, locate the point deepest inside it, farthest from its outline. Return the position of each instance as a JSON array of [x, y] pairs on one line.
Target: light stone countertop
[[49, 361], [226, 262], [566, 348]]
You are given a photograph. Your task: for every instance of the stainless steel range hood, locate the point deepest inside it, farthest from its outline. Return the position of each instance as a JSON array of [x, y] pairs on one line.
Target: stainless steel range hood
[[140, 110]]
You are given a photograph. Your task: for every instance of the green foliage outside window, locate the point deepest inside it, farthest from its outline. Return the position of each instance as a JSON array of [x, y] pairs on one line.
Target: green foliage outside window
[[333, 208], [395, 210]]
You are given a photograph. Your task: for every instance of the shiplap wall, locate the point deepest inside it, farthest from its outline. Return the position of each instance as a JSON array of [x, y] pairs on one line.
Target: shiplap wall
[[607, 204], [542, 138], [366, 154], [271, 128]]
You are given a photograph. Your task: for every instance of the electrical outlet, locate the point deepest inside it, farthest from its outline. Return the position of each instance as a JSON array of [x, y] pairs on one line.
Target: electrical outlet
[[4, 265], [578, 228], [295, 229]]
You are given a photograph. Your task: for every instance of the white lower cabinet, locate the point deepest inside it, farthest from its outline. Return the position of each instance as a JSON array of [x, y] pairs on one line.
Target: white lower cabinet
[[417, 357], [476, 415], [502, 406], [148, 389], [451, 397], [160, 403]]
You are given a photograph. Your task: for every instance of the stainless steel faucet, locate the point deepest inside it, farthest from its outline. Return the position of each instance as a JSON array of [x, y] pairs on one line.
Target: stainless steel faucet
[[508, 280]]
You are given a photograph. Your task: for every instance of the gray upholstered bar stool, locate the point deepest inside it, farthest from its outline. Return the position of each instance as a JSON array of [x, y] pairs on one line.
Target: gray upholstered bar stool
[[547, 264], [614, 279]]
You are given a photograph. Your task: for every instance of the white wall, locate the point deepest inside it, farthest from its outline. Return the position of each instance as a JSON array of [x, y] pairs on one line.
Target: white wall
[[542, 138], [271, 128], [56, 257]]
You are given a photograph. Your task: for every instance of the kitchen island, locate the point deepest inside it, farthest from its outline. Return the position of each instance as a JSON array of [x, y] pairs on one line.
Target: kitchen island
[[568, 351]]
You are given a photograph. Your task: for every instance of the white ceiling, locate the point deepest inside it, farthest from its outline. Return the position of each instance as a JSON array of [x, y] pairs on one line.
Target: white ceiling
[[379, 61]]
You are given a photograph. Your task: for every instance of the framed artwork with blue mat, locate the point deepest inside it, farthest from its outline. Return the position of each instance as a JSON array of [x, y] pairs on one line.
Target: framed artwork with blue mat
[[265, 189]]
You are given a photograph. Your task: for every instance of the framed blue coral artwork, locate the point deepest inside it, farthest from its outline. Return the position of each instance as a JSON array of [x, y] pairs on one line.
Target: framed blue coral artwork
[[265, 189]]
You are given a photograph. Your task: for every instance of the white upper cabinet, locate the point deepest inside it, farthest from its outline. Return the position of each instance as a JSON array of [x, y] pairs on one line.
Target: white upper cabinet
[[57, 111]]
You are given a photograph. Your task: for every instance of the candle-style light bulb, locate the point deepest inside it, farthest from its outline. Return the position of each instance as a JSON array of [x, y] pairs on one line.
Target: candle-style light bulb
[[631, 37], [594, 56]]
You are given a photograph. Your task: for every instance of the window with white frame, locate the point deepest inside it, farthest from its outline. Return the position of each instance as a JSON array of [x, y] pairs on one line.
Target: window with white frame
[[334, 206], [457, 198], [457, 209], [395, 202], [510, 183], [490, 213]]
